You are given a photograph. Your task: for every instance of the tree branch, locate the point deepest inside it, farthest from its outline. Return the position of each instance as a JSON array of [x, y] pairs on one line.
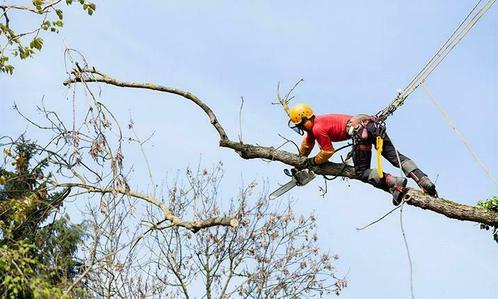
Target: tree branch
[[30, 9], [413, 197], [194, 226], [20, 7]]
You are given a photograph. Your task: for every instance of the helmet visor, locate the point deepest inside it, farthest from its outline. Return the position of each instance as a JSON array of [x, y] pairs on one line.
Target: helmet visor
[[296, 128]]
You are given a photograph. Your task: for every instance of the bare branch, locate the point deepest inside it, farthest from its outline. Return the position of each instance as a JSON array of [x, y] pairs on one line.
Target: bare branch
[[92, 75], [284, 102], [194, 226]]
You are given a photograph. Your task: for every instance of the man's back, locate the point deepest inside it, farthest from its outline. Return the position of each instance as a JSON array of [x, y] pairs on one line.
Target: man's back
[[330, 127]]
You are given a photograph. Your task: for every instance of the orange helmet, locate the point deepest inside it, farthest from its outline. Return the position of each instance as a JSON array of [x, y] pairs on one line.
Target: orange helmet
[[300, 112]]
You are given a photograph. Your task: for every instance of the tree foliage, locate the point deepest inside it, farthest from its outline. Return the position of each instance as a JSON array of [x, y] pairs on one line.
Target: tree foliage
[[46, 15], [491, 204], [37, 257]]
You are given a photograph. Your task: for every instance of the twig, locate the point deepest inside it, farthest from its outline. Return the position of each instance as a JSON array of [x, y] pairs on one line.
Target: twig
[[378, 220], [284, 102], [288, 140], [240, 118]]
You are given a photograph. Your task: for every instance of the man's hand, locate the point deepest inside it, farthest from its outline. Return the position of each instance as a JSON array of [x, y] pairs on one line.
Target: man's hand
[[310, 162]]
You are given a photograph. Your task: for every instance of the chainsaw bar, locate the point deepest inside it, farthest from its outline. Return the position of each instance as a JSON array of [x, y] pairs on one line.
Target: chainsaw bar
[[299, 178]]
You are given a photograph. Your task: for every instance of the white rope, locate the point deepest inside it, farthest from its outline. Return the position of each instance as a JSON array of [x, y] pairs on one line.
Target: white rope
[[465, 26], [407, 248], [410, 262], [462, 138]]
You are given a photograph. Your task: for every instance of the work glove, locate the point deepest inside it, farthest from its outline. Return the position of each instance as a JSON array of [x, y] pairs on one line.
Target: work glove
[[310, 162]]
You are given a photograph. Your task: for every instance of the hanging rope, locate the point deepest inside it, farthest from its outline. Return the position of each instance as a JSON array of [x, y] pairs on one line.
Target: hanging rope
[[409, 256], [465, 26], [461, 137]]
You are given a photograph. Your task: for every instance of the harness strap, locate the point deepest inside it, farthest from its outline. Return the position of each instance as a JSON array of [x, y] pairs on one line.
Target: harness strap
[[358, 121], [356, 129]]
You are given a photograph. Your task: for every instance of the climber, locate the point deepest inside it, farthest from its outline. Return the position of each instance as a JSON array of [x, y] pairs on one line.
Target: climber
[[363, 130]]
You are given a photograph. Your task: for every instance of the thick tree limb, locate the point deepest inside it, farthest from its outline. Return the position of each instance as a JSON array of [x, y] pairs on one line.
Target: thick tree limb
[[248, 151]]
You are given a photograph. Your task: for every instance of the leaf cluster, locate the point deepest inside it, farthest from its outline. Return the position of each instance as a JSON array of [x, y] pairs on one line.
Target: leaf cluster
[[22, 276], [491, 204], [25, 44]]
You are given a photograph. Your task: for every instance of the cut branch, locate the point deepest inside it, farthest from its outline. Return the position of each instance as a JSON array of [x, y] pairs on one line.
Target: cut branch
[[248, 151]]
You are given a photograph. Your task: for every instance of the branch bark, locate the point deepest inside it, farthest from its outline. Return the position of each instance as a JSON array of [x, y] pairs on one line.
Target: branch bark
[[413, 197]]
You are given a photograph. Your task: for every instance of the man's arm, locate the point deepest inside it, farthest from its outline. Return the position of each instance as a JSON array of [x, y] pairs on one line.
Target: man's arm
[[307, 145], [326, 150]]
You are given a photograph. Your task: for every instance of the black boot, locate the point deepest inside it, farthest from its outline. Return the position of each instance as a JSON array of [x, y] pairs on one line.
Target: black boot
[[396, 187], [419, 177], [424, 182]]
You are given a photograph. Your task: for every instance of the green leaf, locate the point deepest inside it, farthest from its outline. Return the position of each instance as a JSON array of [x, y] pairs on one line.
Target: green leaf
[[45, 25], [58, 23], [9, 69], [59, 13], [489, 204], [36, 43], [24, 52], [38, 4]]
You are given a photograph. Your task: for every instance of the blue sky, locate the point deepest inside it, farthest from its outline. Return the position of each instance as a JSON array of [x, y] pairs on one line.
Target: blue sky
[[353, 55]]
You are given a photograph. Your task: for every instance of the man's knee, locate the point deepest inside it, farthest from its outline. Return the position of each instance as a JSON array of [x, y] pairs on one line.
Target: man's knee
[[408, 166]]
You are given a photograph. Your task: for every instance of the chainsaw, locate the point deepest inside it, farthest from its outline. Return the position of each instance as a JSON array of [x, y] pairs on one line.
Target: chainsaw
[[298, 178]]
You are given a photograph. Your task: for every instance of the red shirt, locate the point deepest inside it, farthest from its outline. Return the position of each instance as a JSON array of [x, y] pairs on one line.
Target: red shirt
[[328, 128]]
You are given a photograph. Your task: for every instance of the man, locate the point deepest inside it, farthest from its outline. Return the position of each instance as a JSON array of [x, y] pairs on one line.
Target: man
[[363, 130]]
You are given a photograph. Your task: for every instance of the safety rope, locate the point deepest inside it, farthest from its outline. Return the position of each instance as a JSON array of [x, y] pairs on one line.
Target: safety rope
[[462, 138], [465, 26]]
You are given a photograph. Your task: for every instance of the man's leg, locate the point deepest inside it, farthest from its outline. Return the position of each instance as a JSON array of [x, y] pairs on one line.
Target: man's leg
[[362, 155], [408, 166]]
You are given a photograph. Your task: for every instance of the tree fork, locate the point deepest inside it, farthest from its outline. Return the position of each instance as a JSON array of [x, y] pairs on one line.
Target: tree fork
[[413, 197]]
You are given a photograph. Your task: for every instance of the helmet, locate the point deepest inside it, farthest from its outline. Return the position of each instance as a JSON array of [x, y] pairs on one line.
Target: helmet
[[300, 112], [298, 115]]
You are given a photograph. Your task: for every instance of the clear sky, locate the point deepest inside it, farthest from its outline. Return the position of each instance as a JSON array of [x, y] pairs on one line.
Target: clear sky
[[353, 55]]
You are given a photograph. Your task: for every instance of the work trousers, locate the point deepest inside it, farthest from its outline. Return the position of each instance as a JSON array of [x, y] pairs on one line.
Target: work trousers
[[362, 153]]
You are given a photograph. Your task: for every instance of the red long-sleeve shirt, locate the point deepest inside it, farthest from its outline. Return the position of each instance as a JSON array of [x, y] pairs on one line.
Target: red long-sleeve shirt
[[328, 128]]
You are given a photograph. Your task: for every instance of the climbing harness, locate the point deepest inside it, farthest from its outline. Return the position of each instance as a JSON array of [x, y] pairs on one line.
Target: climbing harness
[[357, 129]]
